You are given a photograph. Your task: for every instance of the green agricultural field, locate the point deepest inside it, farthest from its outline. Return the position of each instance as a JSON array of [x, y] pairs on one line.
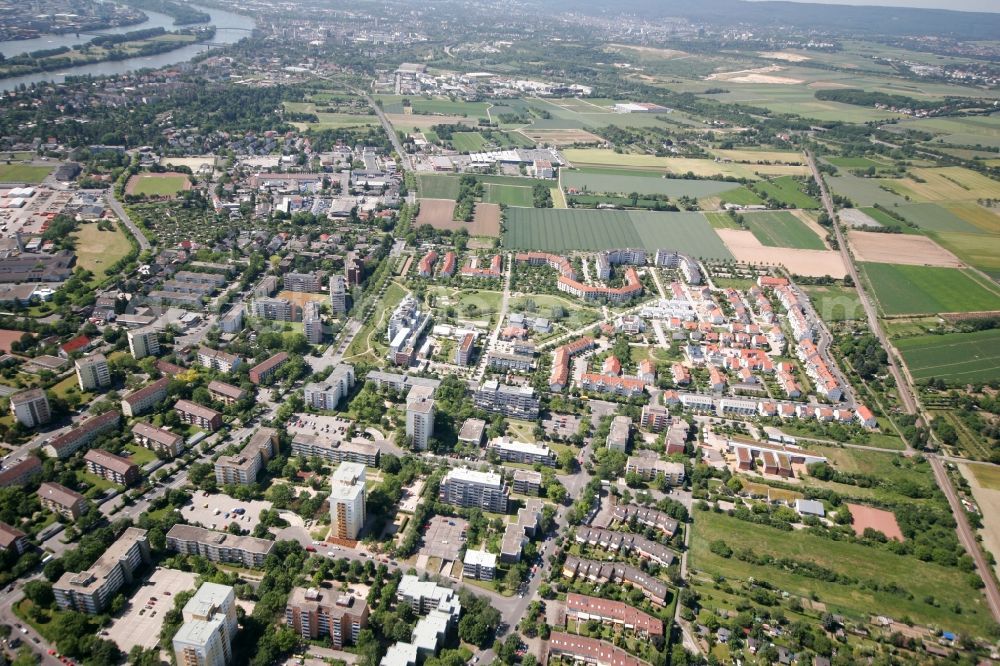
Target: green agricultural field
[[721, 221], [559, 230], [853, 162], [610, 181], [920, 580], [468, 142], [787, 190], [437, 187], [510, 195], [741, 196], [978, 250], [782, 229], [905, 290], [835, 303], [863, 191], [446, 107], [931, 217], [957, 358], [945, 184], [882, 218], [23, 173]]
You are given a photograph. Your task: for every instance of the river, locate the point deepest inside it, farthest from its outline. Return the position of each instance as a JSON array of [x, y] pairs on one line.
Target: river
[[229, 29]]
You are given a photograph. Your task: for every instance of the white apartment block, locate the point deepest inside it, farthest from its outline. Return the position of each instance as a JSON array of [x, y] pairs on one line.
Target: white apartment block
[[92, 372], [347, 500], [143, 342], [328, 393], [206, 637], [420, 416], [31, 407]]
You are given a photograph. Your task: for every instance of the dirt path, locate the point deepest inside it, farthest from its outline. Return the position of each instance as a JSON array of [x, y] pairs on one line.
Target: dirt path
[[989, 504]]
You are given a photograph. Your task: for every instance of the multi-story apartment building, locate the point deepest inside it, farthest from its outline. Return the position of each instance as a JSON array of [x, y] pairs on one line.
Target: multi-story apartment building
[[650, 467], [654, 418], [479, 565], [60, 499], [226, 393], [13, 539], [20, 472], [337, 448], [619, 434], [218, 546], [199, 415], [31, 408], [244, 467], [157, 439], [83, 434], [347, 500], [263, 371], [92, 372], [318, 613], [519, 402], [111, 467], [328, 393], [141, 400], [583, 609], [206, 637], [400, 382], [91, 591], [586, 650], [471, 489], [463, 352], [303, 282], [214, 359], [232, 321], [420, 416], [527, 482], [143, 342], [312, 323], [510, 450], [274, 309], [338, 294]]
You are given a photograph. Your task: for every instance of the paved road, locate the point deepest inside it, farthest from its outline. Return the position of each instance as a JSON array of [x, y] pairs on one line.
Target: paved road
[[7, 616], [966, 534], [504, 306], [391, 131], [127, 221]]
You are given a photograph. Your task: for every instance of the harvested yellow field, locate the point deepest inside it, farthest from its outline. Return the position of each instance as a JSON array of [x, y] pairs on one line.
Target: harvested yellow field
[[984, 218], [756, 156], [785, 56], [745, 247], [945, 184], [900, 249]]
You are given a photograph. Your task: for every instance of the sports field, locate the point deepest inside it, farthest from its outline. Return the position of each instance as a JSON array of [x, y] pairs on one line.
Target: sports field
[[902, 290], [98, 250], [468, 142], [158, 184], [782, 229], [957, 358], [920, 580], [618, 181], [510, 195], [560, 230], [23, 173], [787, 190]]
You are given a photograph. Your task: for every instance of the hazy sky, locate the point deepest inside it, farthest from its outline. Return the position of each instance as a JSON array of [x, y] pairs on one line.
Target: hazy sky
[[957, 5]]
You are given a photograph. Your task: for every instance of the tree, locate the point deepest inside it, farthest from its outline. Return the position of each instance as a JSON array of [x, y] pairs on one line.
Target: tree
[[39, 592]]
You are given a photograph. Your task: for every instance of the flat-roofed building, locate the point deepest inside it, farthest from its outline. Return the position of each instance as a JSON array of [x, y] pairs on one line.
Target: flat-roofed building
[[400, 382], [420, 416], [206, 637], [143, 342], [527, 482], [199, 415], [518, 402], [226, 393], [141, 400], [31, 408], [312, 323], [336, 449], [157, 439], [244, 467], [19, 472], [318, 613], [479, 565], [347, 501], [274, 309], [263, 371], [620, 433], [12, 539], [338, 294], [215, 359], [218, 546], [232, 321], [92, 372], [83, 434], [91, 591], [327, 394], [463, 352], [472, 432], [471, 489], [111, 467], [583, 608], [654, 418], [510, 450], [303, 282], [650, 467], [61, 500]]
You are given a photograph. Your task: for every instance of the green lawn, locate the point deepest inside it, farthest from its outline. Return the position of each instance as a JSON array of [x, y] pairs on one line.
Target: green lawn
[[23, 173], [741, 196], [948, 586], [158, 185], [902, 290], [98, 250], [957, 358], [835, 303], [140, 455], [510, 195], [782, 229]]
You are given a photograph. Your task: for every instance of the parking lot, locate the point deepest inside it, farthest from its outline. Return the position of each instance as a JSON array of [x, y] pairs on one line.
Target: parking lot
[[210, 511], [444, 537], [140, 625]]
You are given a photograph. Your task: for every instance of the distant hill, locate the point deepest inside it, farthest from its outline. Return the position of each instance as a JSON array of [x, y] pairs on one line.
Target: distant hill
[[839, 18]]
